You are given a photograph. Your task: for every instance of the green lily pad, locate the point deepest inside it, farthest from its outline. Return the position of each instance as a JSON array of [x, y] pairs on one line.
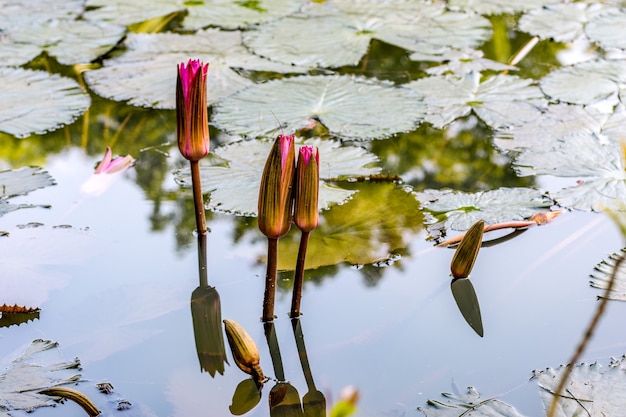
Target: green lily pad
[[471, 403], [602, 275], [595, 81], [344, 29], [21, 182], [30, 373], [373, 227], [450, 210], [602, 390], [337, 101], [234, 180], [54, 26], [26, 110], [145, 75], [500, 100]]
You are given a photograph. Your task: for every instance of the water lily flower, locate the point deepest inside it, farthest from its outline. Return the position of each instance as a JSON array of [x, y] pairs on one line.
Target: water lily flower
[[110, 165], [192, 120], [306, 214], [275, 194]]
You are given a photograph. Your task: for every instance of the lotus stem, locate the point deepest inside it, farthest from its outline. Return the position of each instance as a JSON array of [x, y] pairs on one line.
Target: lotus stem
[[270, 279], [299, 276], [197, 197], [586, 338], [74, 395]]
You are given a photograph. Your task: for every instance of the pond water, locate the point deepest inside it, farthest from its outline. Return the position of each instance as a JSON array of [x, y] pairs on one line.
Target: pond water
[[115, 282]]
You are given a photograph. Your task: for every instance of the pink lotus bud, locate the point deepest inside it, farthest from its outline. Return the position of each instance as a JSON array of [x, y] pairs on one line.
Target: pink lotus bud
[[306, 214], [192, 120]]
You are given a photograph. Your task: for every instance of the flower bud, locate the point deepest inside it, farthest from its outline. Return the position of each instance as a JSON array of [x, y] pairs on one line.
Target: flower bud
[[275, 194], [192, 120], [306, 214]]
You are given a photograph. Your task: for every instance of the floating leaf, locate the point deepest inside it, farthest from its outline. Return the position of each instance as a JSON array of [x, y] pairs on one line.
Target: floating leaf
[[500, 100], [145, 74], [20, 383], [602, 275], [498, 6], [448, 209], [344, 29], [234, 184], [601, 390], [460, 62], [54, 26], [468, 404], [337, 101], [21, 182], [37, 102], [594, 80], [561, 22], [129, 12], [606, 28], [373, 227]]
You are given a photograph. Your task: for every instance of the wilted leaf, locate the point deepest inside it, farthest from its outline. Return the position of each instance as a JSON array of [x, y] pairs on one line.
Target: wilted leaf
[[450, 210], [54, 26], [602, 275], [145, 74], [337, 101], [500, 100], [373, 227], [601, 390], [37, 102], [344, 29], [498, 6], [469, 404], [27, 374], [234, 181], [594, 80]]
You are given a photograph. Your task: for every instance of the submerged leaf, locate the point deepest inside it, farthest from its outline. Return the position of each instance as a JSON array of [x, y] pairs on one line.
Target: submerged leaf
[[446, 209], [145, 74], [602, 275], [27, 109], [468, 404], [601, 390], [336, 101], [20, 383], [234, 182], [500, 100]]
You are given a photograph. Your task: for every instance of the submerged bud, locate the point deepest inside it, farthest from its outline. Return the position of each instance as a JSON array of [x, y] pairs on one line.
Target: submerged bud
[[306, 214], [245, 351], [276, 191], [192, 120]]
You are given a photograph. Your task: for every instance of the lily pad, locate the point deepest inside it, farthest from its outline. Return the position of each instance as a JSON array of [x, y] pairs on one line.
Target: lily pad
[[337, 101], [145, 74], [234, 181], [500, 100], [25, 110], [30, 373], [373, 227], [594, 80], [54, 26], [602, 275], [344, 29], [498, 6], [21, 182], [605, 28], [460, 62], [129, 12], [471, 403], [602, 390], [561, 22], [450, 210]]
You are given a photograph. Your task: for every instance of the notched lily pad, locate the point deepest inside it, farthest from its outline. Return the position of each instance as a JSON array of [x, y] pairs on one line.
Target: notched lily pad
[[27, 109], [32, 372], [451, 210], [602, 390], [468, 404], [336, 101], [145, 75], [602, 275], [500, 100], [234, 179], [20, 182]]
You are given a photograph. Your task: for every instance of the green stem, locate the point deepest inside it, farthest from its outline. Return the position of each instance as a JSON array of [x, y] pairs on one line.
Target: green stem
[[197, 198], [299, 276], [270, 279]]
